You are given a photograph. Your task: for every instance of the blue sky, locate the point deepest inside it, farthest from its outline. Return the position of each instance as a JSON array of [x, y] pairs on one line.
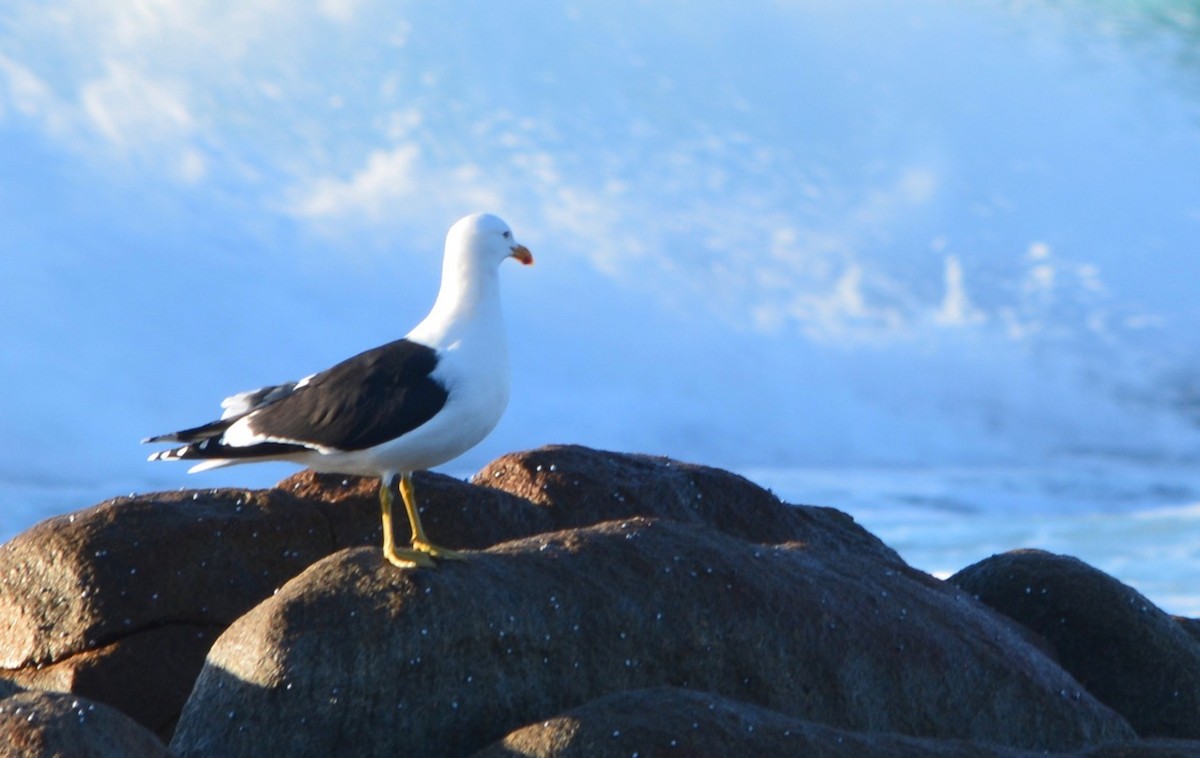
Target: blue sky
[[782, 234]]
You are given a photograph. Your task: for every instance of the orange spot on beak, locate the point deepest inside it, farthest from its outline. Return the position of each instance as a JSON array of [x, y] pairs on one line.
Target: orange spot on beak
[[521, 253]]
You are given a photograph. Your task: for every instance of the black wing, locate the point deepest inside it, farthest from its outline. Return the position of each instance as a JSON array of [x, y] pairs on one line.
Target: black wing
[[363, 401]]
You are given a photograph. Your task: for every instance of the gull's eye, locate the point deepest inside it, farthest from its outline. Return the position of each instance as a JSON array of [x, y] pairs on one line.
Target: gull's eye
[[507, 235]]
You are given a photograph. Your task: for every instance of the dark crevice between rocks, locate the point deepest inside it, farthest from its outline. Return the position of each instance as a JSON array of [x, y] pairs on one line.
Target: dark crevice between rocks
[[147, 673]]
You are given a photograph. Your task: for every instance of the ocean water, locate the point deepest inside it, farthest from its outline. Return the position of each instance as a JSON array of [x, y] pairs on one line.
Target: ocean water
[[1138, 522]]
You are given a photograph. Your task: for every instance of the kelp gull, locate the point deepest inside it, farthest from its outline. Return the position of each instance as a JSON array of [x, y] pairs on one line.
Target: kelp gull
[[405, 406]]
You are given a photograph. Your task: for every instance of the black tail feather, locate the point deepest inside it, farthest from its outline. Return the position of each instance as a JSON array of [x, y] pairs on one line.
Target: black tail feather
[[213, 449], [211, 430]]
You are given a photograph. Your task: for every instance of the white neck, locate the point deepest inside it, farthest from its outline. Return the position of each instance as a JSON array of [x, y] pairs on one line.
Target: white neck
[[467, 306]]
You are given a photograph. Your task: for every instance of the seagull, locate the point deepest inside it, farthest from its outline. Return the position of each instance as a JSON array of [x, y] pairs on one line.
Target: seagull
[[406, 406]]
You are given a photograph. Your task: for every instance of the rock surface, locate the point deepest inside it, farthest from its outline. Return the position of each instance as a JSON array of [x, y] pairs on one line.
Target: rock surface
[[452, 659], [44, 724], [147, 675], [120, 602], [678, 722], [670, 721], [604, 574], [577, 486], [1124, 650]]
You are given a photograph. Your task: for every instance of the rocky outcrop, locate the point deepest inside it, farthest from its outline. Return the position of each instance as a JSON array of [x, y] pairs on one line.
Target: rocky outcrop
[[673, 721], [36, 724], [456, 657], [1123, 649], [592, 576], [576, 486], [120, 602], [1191, 626], [146, 674]]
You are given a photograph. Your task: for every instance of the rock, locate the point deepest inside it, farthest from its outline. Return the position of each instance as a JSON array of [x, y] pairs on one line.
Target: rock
[[579, 486], [120, 602], [36, 724], [1124, 650], [672, 721], [357, 656], [81, 581], [454, 513], [1160, 748], [1191, 626], [147, 675], [564, 486]]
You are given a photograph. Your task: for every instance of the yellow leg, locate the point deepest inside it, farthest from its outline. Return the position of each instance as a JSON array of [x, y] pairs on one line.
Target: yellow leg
[[401, 558], [419, 540]]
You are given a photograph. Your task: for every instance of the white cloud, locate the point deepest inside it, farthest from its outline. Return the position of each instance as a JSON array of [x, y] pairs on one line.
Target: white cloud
[[193, 165], [342, 11], [145, 118], [915, 186], [1038, 251], [957, 308], [387, 176], [138, 81], [130, 113], [842, 312], [391, 181], [130, 109], [31, 97]]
